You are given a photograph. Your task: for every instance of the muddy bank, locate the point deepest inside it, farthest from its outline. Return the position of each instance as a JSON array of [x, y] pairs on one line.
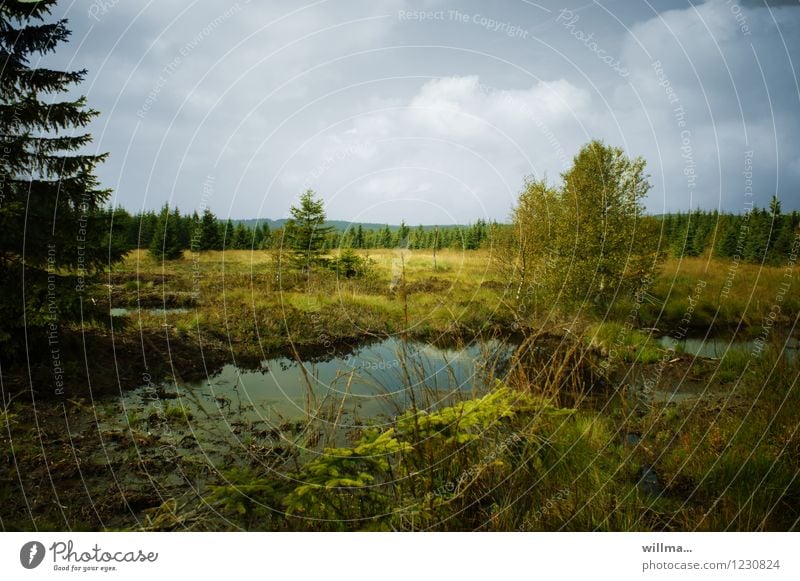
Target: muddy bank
[[95, 363]]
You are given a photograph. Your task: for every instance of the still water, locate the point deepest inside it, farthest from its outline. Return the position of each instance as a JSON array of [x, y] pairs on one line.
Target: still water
[[374, 382]]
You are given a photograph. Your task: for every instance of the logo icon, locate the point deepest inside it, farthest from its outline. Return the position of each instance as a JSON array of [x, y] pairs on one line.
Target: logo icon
[[31, 554]]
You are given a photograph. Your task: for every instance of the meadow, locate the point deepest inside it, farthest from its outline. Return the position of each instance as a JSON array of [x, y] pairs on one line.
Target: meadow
[[242, 302], [596, 425]]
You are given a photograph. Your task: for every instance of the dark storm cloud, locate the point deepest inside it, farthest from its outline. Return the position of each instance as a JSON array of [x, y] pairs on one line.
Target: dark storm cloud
[[433, 110], [762, 3]]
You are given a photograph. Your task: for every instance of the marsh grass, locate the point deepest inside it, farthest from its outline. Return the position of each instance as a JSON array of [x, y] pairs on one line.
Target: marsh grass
[[516, 457], [736, 294], [733, 458], [519, 450], [246, 298], [621, 343]]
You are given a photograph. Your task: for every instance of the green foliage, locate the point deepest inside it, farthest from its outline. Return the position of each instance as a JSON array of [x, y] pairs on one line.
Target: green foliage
[[177, 412], [339, 484], [246, 497], [440, 468], [759, 236], [209, 237], [604, 246], [54, 232], [735, 457], [622, 343], [167, 239], [350, 265], [306, 233], [586, 243]]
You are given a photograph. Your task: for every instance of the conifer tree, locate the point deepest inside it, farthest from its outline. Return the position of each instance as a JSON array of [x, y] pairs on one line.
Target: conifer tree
[[53, 231], [242, 238], [306, 232], [385, 239], [358, 240], [209, 232], [166, 242]]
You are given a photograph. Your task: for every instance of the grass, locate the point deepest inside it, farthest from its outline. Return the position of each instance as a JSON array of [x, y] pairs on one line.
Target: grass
[[240, 297], [618, 342], [177, 412], [733, 295], [734, 458], [525, 456]]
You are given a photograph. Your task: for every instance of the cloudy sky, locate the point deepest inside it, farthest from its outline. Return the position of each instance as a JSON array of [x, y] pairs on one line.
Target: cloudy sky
[[434, 111]]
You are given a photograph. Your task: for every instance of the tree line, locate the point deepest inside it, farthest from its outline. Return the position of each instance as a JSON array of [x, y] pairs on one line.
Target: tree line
[[761, 235], [169, 233], [587, 239]]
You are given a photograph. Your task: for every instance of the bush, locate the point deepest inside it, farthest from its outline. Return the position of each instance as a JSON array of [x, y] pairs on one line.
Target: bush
[[350, 265]]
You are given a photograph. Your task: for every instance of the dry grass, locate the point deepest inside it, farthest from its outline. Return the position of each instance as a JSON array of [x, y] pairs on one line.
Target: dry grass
[[724, 294], [241, 297]]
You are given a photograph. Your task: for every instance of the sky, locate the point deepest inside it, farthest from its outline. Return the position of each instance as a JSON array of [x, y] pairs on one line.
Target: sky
[[435, 111]]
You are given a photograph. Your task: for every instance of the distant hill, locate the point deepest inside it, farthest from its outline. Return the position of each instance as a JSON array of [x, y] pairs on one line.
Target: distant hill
[[340, 225]]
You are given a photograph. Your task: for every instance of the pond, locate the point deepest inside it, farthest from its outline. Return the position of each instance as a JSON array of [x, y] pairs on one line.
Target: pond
[[343, 392], [368, 386], [718, 347]]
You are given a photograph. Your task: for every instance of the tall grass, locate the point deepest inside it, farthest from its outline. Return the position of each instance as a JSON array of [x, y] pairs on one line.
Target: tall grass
[[517, 458]]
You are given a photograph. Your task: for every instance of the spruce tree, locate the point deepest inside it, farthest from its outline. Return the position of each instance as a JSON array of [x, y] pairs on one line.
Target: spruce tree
[[242, 238], [401, 236], [209, 232], [385, 238], [266, 237], [258, 237], [166, 242], [227, 235], [306, 232], [53, 231], [358, 240]]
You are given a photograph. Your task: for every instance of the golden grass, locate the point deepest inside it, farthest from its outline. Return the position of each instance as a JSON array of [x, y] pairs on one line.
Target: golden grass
[[723, 292], [240, 297]]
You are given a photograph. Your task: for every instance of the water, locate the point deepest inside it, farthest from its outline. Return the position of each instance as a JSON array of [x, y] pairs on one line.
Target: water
[[716, 347], [374, 383]]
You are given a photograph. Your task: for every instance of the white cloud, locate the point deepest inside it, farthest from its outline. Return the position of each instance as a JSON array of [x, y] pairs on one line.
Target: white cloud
[[455, 143], [372, 110]]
